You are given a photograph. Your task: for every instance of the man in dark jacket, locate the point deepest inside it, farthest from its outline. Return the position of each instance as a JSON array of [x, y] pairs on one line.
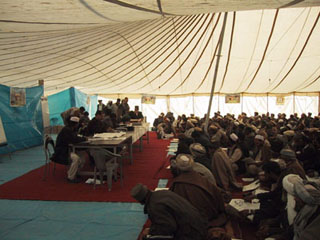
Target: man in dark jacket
[[171, 216], [68, 135], [96, 124], [136, 114]]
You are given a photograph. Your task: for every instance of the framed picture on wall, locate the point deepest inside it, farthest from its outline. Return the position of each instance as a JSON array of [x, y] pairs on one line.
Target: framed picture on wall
[[17, 97], [280, 100], [232, 98], [148, 99]]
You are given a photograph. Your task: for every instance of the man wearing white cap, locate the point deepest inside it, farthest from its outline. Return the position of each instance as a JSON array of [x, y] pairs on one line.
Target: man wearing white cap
[[303, 207], [260, 154], [68, 135], [202, 194], [235, 154]]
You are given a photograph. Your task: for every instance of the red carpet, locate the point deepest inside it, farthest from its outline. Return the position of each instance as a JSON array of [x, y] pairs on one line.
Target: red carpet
[[145, 168]]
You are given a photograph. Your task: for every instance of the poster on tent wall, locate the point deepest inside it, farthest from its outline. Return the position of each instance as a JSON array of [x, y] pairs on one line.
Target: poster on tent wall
[[148, 99], [17, 97], [232, 98], [280, 100]]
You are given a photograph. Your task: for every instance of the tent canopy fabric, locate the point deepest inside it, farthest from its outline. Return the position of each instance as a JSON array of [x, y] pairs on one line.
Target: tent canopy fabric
[[161, 47]]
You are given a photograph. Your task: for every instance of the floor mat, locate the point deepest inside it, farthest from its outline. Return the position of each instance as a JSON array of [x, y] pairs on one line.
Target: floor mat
[[146, 164]]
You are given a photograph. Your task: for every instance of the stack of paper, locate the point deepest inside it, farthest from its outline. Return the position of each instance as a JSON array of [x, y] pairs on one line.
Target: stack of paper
[[252, 186], [242, 205], [107, 136]]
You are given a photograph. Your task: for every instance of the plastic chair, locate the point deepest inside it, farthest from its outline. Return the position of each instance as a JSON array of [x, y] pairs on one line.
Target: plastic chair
[[48, 147], [106, 162]]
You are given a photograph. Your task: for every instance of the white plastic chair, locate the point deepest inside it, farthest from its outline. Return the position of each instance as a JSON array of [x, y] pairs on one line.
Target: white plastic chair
[[106, 162]]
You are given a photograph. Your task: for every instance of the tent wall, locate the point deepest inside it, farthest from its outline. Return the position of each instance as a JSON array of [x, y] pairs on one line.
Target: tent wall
[[66, 99], [23, 125], [198, 104]]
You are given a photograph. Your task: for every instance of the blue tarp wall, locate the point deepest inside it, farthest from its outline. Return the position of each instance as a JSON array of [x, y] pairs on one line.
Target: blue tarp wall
[[68, 98], [23, 125]]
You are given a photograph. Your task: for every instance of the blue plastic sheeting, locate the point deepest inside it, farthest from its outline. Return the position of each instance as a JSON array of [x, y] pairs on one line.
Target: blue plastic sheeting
[[20, 162], [45, 220], [23, 125], [66, 99]]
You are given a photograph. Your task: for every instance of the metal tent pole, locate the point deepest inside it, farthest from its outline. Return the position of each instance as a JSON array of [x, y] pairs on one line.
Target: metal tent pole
[[216, 69]]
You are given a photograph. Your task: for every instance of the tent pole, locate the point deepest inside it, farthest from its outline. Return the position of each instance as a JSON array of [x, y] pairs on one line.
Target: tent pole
[[216, 70], [218, 102], [241, 103], [267, 102], [193, 103], [168, 103], [318, 103], [294, 102]]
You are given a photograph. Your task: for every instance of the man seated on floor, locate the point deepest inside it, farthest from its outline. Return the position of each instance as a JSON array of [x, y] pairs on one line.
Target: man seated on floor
[[221, 168], [202, 194], [303, 207], [199, 155], [171, 216], [271, 204], [261, 153], [68, 135]]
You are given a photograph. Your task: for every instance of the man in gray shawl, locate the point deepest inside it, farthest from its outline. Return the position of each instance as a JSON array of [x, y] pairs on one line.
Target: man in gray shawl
[[303, 207]]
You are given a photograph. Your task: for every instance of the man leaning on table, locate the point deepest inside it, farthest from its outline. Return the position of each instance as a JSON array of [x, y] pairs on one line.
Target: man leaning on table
[[68, 135]]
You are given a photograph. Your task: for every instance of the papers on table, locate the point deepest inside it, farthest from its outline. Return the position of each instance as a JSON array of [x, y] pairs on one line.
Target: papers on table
[[252, 186], [108, 136], [242, 205]]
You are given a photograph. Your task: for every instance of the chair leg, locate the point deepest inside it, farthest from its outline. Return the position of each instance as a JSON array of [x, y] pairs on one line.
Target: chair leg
[[94, 177], [109, 178], [101, 173]]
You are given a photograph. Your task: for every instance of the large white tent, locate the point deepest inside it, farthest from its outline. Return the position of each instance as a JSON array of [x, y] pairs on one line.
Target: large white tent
[[162, 47]]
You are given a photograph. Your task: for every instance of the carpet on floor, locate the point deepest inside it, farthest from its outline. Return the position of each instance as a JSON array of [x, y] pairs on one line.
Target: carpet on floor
[[146, 165]]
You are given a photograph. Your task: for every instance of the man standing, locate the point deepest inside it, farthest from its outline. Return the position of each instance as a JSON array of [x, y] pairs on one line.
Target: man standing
[[68, 135], [100, 106]]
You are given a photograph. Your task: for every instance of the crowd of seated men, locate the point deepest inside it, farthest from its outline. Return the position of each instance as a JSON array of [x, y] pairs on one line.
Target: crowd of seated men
[[282, 152]]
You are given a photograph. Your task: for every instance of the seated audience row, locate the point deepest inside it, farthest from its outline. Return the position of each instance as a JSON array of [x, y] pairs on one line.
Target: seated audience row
[[283, 153]]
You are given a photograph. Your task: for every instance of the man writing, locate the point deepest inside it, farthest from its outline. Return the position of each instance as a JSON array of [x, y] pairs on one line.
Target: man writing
[[68, 135]]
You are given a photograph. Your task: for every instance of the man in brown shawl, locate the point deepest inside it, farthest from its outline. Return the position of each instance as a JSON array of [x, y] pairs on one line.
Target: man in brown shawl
[[221, 167], [202, 194]]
